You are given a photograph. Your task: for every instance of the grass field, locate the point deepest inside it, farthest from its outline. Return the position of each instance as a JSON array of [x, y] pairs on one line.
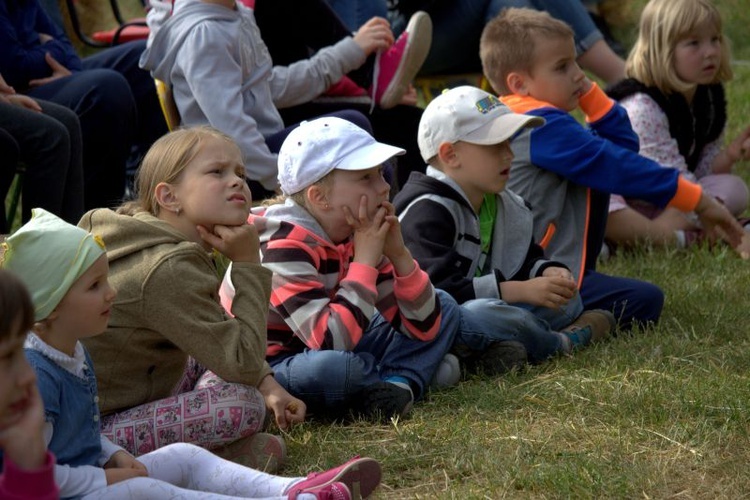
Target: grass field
[[661, 413]]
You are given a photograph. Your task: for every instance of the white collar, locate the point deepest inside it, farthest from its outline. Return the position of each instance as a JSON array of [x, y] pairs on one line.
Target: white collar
[[75, 364]]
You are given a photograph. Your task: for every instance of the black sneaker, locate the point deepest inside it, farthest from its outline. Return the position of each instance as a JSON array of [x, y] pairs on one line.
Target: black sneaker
[[501, 357], [383, 401]]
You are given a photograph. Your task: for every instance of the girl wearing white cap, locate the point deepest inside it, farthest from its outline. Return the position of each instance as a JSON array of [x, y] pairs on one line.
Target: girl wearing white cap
[[354, 324]]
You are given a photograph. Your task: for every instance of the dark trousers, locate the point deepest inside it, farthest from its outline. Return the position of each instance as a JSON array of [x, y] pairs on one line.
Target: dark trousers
[[120, 117], [631, 301], [49, 145]]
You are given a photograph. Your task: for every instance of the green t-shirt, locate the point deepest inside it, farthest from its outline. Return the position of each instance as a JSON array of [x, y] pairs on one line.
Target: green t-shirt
[[487, 216]]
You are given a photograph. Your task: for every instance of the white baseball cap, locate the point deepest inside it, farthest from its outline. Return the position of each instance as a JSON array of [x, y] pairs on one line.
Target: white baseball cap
[[317, 147], [471, 115]]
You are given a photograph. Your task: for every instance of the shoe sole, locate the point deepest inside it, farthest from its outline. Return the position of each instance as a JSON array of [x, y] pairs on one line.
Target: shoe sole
[[261, 451], [361, 476], [415, 53], [502, 357]]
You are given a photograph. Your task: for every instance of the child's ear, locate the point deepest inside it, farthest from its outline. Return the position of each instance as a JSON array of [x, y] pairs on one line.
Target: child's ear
[[317, 197], [516, 83], [166, 198], [447, 155]]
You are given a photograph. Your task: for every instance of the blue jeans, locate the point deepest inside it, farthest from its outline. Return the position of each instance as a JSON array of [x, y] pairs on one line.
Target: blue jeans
[[330, 379], [457, 26], [631, 301], [484, 321]]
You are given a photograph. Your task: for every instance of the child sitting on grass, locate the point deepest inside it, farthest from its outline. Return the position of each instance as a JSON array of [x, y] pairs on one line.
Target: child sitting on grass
[[675, 101], [354, 324], [474, 237], [567, 172], [27, 466], [66, 270], [174, 366]]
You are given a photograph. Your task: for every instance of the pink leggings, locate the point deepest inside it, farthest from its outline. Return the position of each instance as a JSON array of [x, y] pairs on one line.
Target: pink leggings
[[203, 410]]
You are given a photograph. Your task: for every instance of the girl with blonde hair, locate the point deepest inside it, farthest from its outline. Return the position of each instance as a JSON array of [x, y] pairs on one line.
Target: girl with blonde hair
[[173, 366], [675, 101]]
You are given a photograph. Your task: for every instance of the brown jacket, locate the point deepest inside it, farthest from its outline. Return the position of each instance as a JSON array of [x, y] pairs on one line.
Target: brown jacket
[[167, 309]]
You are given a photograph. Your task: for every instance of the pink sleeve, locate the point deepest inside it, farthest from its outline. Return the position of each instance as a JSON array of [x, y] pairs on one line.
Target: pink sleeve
[[708, 155], [409, 302], [16, 483]]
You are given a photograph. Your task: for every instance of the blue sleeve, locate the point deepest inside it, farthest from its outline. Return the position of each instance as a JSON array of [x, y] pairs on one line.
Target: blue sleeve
[[615, 126], [608, 162], [22, 55]]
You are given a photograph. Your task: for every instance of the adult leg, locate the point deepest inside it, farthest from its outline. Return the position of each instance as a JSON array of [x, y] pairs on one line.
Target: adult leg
[[124, 59], [48, 148], [355, 13], [631, 301], [10, 153], [457, 26], [72, 206], [106, 111], [314, 25]]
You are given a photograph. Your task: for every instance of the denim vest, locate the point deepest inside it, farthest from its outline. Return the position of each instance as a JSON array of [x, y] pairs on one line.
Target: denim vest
[[71, 406]]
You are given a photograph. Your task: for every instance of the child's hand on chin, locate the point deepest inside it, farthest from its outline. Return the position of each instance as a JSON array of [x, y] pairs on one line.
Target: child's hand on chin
[[369, 235], [238, 243]]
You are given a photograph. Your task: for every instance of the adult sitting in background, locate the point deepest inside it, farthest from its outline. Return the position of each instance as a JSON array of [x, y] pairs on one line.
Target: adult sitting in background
[[114, 99]]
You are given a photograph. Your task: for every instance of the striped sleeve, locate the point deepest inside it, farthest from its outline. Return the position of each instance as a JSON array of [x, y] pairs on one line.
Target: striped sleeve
[[408, 302], [300, 295]]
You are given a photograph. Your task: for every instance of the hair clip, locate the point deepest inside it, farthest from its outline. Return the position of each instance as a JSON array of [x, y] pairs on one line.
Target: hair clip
[[99, 241]]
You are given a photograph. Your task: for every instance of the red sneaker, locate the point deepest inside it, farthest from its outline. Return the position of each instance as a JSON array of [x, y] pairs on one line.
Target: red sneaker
[[360, 476], [333, 491], [397, 67], [346, 88]]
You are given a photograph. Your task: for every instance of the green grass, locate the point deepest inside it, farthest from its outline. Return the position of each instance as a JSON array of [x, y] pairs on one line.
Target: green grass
[[662, 413], [654, 414]]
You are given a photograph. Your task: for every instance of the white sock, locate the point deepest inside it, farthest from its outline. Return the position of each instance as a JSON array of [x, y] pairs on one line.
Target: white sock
[[680, 234]]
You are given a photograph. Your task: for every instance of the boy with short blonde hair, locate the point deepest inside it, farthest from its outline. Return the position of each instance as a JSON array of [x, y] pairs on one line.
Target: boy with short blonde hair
[[566, 172], [474, 238]]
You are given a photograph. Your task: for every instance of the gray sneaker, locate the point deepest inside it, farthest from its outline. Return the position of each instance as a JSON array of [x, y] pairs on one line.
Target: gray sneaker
[[501, 357], [447, 374]]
